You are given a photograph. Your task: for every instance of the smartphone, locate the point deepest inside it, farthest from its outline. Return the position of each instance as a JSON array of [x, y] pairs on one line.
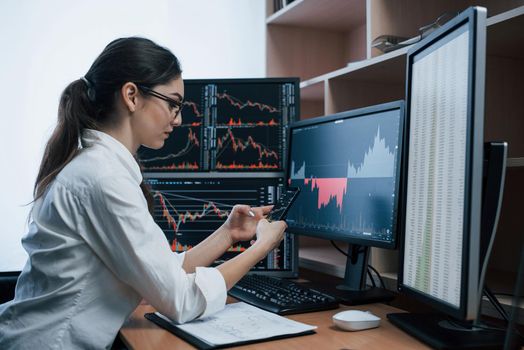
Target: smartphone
[[281, 208]]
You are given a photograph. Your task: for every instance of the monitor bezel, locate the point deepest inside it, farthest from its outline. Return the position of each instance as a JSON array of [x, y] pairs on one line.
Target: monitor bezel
[[475, 19], [360, 112]]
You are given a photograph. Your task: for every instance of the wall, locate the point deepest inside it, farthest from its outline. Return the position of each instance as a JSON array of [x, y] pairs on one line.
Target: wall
[[47, 44]]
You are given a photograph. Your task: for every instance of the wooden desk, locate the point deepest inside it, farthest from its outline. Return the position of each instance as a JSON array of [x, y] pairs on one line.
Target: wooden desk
[[139, 333]]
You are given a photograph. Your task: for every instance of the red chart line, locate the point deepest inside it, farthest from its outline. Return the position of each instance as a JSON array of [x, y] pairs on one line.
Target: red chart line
[[235, 102], [239, 144], [177, 218], [194, 107]]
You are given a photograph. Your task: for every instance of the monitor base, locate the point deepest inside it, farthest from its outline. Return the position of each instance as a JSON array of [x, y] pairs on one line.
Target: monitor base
[[439, 332]]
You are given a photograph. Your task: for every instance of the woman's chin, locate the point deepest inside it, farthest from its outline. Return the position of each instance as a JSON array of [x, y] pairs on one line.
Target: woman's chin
[[155, 145]]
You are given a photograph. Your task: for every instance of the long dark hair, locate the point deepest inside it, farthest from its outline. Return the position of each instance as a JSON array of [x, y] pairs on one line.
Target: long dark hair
[[88, 102]]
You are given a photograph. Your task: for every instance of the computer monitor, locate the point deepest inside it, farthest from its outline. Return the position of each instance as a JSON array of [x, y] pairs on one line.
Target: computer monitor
[[189, 208], [442, 190], [230, 149], [347, 166], [229, 125]]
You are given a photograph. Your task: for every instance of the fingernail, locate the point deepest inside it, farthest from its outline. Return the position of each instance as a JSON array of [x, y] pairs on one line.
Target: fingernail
[[251, 213]]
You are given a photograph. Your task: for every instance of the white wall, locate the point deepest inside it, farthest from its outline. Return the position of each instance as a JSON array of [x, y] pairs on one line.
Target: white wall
[[45, 44]]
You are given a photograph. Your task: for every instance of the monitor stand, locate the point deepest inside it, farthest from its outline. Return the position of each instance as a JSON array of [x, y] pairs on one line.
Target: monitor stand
[[353, 290], [438, 330]]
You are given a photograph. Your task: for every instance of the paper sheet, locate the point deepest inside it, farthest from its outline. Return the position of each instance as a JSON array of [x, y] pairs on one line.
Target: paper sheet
[[241, 322]]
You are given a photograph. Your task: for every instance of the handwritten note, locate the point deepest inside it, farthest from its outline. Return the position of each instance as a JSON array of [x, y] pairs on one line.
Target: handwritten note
[[240, 322]]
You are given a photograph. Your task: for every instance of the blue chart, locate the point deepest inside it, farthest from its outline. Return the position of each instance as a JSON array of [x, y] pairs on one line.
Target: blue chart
[[347, 170]]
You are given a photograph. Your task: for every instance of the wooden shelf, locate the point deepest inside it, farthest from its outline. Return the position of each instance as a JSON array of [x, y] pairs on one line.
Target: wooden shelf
[[505, 36], [386, 68], [515, 162], [327, 43], [336, 15], [313, 90], [327, 260]]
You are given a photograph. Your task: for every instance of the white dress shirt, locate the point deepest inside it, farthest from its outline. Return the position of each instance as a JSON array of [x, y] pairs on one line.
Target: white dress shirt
[[94, 252]]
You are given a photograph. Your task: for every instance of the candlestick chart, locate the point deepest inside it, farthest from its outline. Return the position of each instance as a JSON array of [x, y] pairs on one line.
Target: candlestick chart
[[347, 171]]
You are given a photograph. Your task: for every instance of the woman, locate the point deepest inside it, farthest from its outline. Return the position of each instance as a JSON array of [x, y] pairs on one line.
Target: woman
[[94, 249]]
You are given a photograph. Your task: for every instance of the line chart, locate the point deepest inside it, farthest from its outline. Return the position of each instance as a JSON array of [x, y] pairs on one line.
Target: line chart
[[189, 210], [173, 156], [235, 102]]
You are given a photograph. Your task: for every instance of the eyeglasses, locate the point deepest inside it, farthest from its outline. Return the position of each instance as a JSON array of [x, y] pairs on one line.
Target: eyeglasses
[[174, 106]]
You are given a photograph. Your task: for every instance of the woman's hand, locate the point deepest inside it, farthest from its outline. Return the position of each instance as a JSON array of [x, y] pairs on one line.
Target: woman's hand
[[269, 234], [241, 225]]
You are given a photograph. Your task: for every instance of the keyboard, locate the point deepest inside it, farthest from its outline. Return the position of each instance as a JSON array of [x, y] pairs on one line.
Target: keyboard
[[280, 296]]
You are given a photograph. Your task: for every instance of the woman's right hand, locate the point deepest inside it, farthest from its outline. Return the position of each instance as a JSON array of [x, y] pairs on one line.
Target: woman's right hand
[[269, 234]]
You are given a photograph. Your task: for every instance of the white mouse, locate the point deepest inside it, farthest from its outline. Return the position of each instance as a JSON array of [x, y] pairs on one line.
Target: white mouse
[[355, 320]]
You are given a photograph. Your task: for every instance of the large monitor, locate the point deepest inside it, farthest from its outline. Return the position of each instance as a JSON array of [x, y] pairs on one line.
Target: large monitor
[[348, 168], [229, 125], [190, 208], [230, 149], [442, 206]]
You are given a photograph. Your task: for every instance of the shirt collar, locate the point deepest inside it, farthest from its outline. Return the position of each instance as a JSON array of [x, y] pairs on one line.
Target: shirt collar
[[91, 137]]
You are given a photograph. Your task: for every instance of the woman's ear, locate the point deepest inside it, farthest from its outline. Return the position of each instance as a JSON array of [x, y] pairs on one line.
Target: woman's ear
[[129, 93]]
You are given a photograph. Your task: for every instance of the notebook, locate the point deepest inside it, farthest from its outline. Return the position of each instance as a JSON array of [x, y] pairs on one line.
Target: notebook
[[237, 324]]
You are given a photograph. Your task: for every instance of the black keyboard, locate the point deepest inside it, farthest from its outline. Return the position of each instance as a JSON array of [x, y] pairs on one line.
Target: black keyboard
[[280, 296]]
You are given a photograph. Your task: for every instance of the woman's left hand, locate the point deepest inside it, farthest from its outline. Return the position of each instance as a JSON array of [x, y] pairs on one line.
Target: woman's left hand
[[240, 225]]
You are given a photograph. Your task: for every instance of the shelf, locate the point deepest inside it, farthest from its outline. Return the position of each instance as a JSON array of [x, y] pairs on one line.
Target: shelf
[[515, 162], [499, 43], [505, 35], [315, 40], [327, 260], [386, 68], [336, 15], [312, 90], [323, 259]]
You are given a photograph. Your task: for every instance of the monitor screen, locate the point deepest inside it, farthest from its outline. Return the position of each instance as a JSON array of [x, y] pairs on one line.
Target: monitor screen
[[189, 209], [440, 256], [347, 166], [229, 125]]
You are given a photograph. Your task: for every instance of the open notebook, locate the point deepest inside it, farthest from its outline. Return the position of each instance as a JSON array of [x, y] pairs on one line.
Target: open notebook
[[237, 324]]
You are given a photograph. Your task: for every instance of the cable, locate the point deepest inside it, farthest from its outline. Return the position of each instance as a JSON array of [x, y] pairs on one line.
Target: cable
[[494, 301], [379, 276], [338, 248], [368, 269], [484, 268], [371, 278]]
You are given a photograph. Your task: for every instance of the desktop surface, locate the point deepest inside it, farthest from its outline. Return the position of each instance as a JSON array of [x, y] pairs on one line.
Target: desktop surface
[[139, 333]]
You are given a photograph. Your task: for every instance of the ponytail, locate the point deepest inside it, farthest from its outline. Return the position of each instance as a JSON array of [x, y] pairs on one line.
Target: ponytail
[[89, 102], [75, 113]]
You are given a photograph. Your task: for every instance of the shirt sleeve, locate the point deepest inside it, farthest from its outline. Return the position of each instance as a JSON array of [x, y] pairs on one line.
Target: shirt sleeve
[[129, 242]]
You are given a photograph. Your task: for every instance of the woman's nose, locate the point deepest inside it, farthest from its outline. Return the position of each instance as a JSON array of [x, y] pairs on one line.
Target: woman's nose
[[177, 121]]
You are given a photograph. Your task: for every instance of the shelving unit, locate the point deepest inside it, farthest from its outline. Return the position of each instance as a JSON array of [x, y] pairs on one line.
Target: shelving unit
[[327, 43]]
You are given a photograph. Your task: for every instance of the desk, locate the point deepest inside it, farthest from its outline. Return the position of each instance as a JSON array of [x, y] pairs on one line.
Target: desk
[[139, 333]]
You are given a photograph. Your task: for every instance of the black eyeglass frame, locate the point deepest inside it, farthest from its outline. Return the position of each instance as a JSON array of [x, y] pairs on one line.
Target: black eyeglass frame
[[174, 104]]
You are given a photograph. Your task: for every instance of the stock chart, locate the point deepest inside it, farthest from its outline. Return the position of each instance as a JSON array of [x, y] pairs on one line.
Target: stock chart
[[228, 127], [249, 127], [189, 210], [347, 171], [182, 151]]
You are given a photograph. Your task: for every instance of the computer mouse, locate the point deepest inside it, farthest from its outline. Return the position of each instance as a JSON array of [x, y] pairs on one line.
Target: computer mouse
[[355, 320]]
